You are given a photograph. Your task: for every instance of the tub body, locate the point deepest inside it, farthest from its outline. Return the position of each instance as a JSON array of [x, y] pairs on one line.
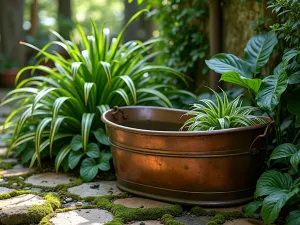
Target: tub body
[[153, 159]]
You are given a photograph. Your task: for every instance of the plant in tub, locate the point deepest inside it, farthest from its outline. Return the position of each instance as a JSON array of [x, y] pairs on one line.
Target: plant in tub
[[58, 114], [210, 116]]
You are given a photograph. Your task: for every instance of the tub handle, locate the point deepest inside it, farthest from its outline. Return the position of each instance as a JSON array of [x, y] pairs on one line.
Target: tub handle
[[116, 111], [253, 150]]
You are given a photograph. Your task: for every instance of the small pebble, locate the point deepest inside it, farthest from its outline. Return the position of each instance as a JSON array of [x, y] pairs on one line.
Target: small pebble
[[142, 206], [15, 184], [69, 199], [78, 203], [142, 223], [22, 178], [95, 186], [63, 202], [26, 188]]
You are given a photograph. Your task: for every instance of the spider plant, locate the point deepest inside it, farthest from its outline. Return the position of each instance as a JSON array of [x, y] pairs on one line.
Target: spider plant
[[58, 115], [208, 115]]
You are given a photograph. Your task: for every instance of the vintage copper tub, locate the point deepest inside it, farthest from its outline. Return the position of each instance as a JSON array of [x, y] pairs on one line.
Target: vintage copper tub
[[152, 158]]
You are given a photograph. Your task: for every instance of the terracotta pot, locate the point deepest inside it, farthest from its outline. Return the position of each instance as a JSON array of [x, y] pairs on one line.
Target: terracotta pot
[[8, 77], [152, 158]]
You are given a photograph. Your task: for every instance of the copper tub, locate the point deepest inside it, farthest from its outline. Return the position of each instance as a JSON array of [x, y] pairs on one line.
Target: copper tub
[[152, 158]]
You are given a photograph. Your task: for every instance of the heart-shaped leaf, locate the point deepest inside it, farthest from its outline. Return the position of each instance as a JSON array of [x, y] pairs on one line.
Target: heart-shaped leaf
[[92, 150], [74, 158], [100, 135], [104, 160], [76, 143], [259, 49], [235, 78], [293, 218], [222, 63], [270, 91], [88, 169]]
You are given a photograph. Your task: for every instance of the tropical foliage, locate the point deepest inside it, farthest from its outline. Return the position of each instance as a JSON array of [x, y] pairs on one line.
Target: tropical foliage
[[209, 116], [58, 115], [277, 190]]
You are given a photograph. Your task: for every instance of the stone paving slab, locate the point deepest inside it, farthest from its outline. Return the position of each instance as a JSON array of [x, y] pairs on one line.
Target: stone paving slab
[[10, 160], [137, 202], [193, 220], [82, 217], [49, 179], [5, 190], [229, 209], [95, 189], [244, 222], [3, 151], [16, 171], [147, 222], [14, 210]]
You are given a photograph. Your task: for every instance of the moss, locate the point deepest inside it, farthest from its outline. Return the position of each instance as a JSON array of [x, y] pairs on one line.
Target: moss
[[13, 194], [125, 214], [212, 223], [198, 211], [46, 219], [115, 221], [37, 212], [168, 219], [219, 218]]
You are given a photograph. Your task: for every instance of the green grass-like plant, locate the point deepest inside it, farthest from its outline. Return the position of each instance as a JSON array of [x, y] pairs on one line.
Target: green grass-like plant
[[58, 115], [209, 116]]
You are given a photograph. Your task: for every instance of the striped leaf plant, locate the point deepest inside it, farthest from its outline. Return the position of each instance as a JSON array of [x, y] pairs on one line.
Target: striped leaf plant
[[58, 115]]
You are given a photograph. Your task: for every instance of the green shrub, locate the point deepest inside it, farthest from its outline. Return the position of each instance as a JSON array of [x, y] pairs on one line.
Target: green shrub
[[59, 114]]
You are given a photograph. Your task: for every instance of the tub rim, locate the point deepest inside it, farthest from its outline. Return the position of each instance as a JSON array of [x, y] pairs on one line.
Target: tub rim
[[177, 133]]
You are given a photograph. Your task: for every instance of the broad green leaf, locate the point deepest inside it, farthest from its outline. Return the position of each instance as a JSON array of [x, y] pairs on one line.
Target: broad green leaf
[[252, 207], [92, 150], [88, 169], [273, 181], [259, 49], [86, 123], [270, 91], [235, 78], [290, 54], [74, 158], [104, 160], [293, 218], [76, 143], [101, 136], [286, 150], [222, 63], [273, 204], [295, 159], [61, 156]]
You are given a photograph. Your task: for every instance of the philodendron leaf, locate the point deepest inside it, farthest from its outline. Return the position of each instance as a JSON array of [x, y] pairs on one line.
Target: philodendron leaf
[[293, 218], [76, 143], [222, 63], [273, 181], [293, 72], [290, 54], [74, 158], [104, 160], [259, 49], [286, 150], [92, 150], [252, 207], [235, 78], [100, 135], [274, 202], [270, 91], [88, 169]]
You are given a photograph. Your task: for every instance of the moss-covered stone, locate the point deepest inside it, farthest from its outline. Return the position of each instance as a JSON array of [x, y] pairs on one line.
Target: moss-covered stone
[[168, 219]]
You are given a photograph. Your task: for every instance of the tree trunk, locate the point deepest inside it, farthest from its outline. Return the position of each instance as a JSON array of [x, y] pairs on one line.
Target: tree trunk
[[11, 30], [132, 32], [64, 17]]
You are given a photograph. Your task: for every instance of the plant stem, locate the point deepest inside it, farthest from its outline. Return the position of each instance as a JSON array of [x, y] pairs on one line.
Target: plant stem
[[295, 139], [277, 121]]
